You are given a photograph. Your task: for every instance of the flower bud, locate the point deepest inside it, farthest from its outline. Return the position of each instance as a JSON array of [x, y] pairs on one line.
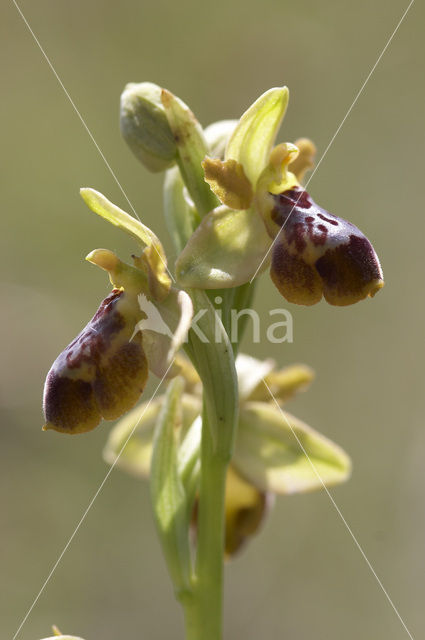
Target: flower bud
[[145, 127], [101, 373], [316, 253]]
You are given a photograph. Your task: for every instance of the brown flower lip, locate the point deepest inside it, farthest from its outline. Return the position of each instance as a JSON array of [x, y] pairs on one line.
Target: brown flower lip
[[317, 254], [99, 374]]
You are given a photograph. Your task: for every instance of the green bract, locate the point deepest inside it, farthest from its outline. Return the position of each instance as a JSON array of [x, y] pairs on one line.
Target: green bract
[[191, 150], [168, 494]]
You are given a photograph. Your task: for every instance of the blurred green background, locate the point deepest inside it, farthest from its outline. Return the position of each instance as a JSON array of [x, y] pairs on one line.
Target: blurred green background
[[303, 577]]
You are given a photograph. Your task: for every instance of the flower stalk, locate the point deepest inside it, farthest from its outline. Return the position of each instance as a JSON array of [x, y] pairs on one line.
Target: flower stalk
[[214, 362]]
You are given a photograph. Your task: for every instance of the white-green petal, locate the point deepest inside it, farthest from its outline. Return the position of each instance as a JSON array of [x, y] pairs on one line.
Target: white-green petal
[[254, 136], [250, 373], [225, 251], [279, 453]]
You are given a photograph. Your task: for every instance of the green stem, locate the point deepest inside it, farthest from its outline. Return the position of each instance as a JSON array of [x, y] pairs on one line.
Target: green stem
[[203, 608], [210, 552], [192, 620], [215, 364]]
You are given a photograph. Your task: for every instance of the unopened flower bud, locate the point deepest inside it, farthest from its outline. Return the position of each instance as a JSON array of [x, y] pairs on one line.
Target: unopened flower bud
[[145, 127]]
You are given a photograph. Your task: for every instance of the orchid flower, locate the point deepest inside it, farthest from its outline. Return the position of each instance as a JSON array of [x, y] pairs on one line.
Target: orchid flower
[[267, 458], [267, 219], [102, 373]]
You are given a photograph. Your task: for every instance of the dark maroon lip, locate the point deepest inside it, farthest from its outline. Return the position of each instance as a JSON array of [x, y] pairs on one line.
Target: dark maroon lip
[[340, 262], [101, 373]]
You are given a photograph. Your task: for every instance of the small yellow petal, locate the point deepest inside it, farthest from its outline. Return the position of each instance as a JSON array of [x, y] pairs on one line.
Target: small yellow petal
[[284, 384], [228, 181], [305, 158]]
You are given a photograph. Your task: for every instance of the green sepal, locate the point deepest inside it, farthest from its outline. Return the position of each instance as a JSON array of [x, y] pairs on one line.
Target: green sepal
[[104, 208], [191, 150], [225, 251], [153, 260], [135, 432], [167, 492], [253, 138], [270, 456]]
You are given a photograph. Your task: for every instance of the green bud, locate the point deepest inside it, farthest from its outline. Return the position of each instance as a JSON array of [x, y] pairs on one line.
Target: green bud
[[145, 127]]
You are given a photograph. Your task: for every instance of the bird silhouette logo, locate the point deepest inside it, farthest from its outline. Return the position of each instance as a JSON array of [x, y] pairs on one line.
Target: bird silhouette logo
[[153, 320]]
